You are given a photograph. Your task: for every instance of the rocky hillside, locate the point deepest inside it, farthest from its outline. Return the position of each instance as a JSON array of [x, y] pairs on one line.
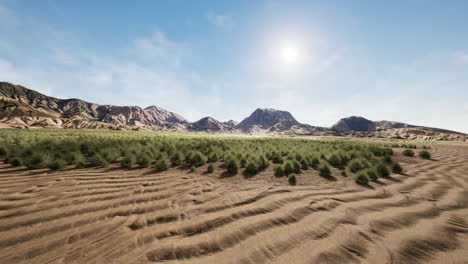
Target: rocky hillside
[[266, 118], [356, 126], [208, 124], [21, 107]]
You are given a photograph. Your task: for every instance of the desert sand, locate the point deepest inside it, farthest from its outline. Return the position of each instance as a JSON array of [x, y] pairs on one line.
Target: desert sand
[[114, 215]]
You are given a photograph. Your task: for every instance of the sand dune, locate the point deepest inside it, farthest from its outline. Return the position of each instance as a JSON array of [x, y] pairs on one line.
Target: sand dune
[[140, 216]]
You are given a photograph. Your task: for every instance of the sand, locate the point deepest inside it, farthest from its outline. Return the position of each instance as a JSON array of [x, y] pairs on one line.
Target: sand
[[114, 215]]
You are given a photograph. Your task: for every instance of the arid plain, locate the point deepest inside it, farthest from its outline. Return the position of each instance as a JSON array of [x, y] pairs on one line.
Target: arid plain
[[115, 215]]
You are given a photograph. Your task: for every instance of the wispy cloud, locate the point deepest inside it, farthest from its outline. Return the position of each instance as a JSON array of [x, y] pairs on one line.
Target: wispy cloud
[[220, 20]]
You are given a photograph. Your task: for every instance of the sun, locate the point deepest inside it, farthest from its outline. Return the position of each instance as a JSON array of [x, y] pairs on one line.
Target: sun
[[289, 54]]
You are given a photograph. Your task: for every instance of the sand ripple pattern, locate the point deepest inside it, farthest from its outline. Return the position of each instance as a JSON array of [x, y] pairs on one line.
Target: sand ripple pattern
[[139, 216]]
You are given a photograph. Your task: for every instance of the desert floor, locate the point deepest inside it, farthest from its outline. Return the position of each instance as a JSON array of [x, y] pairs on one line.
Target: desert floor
[[114, 215]]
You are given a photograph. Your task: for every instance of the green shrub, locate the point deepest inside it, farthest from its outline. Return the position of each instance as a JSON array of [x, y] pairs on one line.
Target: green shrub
[[355, 165], [128, 161], [262, 163], [279, 171], [343, 173], [324, 170], [36, 161], [232, 166], [288, 168], [177, 158], [251, 168], [143, 160], [396, 168], [334, 160], [382, 170], [296, 166], [277, 159], [192, 168], [163, 164], [16, 161], [371, 174], [292, 179], [304, 165], [197, 159], [3, 151], [210, 168], [361, 178], [387, 159], [425, 154], [58, 164], [314, 163], [98, 160], [408, 153]]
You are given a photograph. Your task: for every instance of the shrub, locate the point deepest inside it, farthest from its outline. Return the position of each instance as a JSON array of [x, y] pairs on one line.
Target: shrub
[[192, 169], [343, 173], [251, 168], [324, 170], [334, 160], [296, 166], [210, 168], [16, 161], [98, 160], [304, 165], [277, 159], [3, 151], [292, 179], [408, 153], [387, 159], [382, 170], [128, 161], [177, 158], [361, 178], [163, 164], [143, 160], [396, 168], [263, 163], [371, 174], [36, 161], [425, 154], [58, 164], [314, 163], [279, 171], [355, 165], [288, 168], [243, 162], [197, 159], [232, 166]]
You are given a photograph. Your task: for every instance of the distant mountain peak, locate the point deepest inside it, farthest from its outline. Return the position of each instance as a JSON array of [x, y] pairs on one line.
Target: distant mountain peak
[[208, 124], [266, 118]]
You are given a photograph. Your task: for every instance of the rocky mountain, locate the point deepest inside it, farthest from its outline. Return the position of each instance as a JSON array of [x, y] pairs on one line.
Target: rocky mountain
[[266, 118], [231, 123], [353, 123], [208, 124], [21, 107], [167, 116], [356, 126]]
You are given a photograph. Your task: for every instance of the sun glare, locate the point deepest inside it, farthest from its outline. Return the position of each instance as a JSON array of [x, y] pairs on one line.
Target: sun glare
[[289, 54]]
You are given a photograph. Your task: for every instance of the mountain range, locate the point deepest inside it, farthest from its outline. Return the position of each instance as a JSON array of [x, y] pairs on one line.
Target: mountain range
[[21, 107]]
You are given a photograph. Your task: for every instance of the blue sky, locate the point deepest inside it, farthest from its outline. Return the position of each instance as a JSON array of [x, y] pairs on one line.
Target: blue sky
[[384, 60]]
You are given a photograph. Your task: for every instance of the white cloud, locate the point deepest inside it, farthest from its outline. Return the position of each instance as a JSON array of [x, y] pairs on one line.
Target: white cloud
[[220, 20]]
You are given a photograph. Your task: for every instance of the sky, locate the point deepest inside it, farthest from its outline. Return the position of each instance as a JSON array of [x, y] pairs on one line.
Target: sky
[[320, 60]]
